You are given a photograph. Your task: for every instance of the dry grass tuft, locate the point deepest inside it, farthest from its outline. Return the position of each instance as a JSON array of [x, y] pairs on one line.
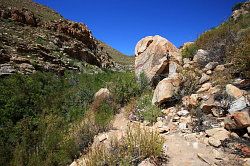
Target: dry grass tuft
[[138, 144]]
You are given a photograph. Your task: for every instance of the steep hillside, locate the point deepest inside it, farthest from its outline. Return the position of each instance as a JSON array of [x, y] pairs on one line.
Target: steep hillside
[[35, 38], [229, 42]]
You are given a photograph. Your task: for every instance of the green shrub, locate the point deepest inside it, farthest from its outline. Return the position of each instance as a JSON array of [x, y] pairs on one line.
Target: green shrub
[[190, 83], [147, 111], [39, 110], [40, 40], [104, 115], [240, 55], [189, 51], [125, 87]]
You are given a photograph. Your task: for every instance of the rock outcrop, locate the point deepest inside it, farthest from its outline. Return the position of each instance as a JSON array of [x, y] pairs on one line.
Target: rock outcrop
[[20, 15], [31, 43], [166, 89], [201, 57], [156, 57]]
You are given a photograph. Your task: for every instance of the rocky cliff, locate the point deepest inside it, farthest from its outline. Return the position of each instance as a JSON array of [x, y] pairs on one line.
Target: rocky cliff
[[41, 40]]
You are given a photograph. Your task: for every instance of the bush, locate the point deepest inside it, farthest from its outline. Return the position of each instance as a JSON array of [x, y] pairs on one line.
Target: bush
[[146, 110], [138, 144], [240, 55], [189, 51], [125, 87], [222, 41], [39, 110], [190, 83]]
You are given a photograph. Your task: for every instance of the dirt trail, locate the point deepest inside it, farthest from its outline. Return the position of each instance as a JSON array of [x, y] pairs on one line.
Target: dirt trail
[[182, 149]]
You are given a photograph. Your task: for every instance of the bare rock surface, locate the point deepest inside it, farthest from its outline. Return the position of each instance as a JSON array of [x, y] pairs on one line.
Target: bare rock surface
[[156, 57]]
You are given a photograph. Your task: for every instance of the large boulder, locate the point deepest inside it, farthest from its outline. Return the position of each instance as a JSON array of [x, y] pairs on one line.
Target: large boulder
[[233, 91], [156, 57], [201, 57], [166, 89], [238, 120], [239, 104], [102, 94]]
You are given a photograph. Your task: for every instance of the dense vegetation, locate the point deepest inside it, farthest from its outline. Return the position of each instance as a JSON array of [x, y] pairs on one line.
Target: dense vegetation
[[47, 119]]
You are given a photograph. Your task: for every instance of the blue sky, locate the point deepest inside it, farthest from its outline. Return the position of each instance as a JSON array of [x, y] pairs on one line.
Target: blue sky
[[122, 23]]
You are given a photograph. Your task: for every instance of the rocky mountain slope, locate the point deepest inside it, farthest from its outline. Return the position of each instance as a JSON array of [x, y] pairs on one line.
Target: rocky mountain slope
[[199, 102], [187, 106], [35, 38]]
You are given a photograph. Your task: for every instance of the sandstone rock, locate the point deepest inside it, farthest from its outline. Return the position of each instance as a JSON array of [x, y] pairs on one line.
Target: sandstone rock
[[201, 57], [209, 72], [103, 94], [217, 154], [169, 110], [214, 142], [214, 90], [233, 91], [238, 120], [246, 151], [75, 30], [190, 101], [205, 87], [234, 135], [166, 89], [156, 57], [183, 112], [205, 158], [218, 133], [204, 78], [182, 126], [238, 104], [186, 60], [219, 68], [146, 162], [209, 104], [161, 127], [187, 66], [211, 65], [74, 163], [246, 162], [175, 119], [102, 137]]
